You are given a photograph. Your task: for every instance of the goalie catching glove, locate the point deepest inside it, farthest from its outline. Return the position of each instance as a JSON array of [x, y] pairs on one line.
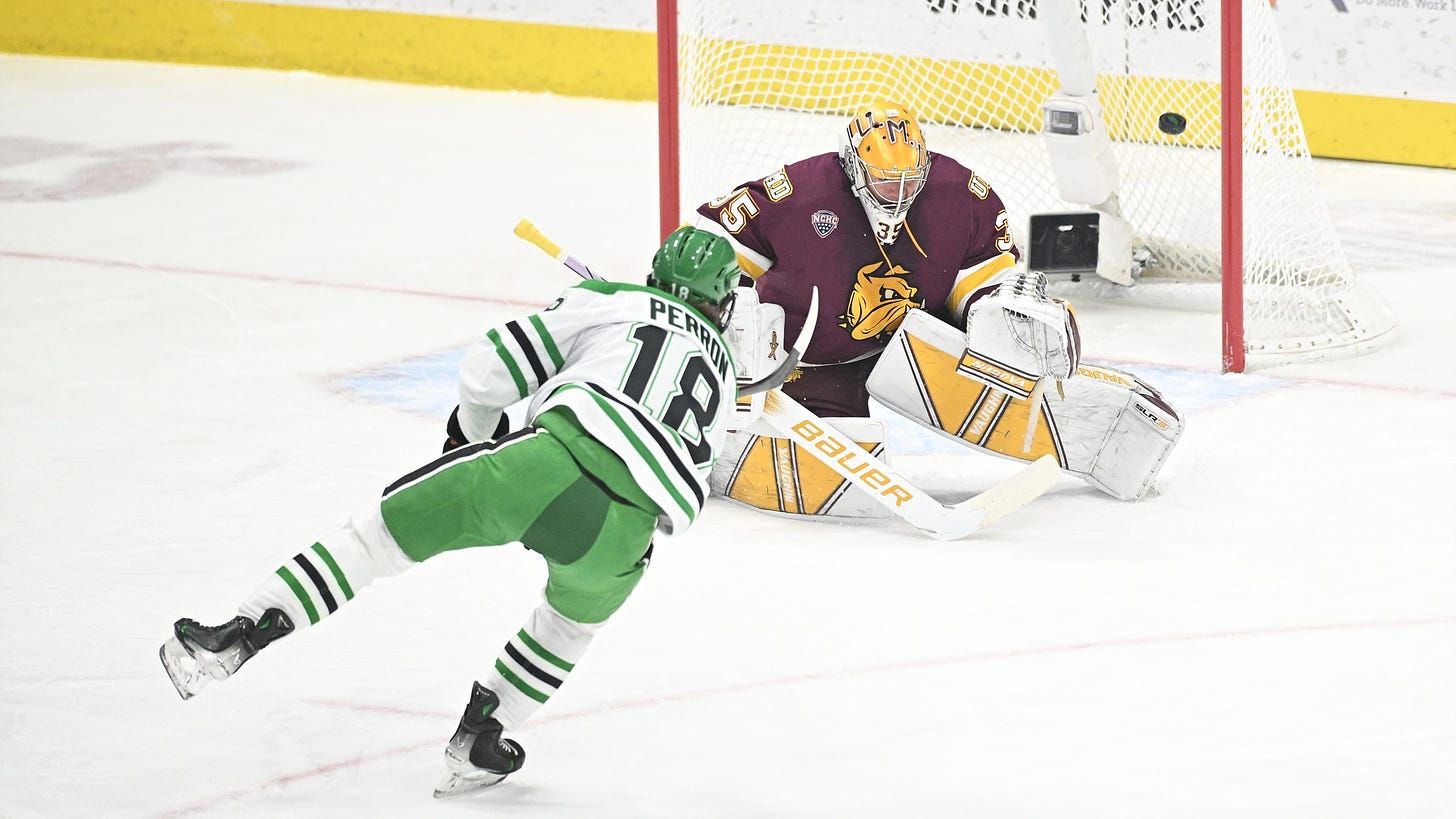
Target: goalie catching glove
[[1017, 334]]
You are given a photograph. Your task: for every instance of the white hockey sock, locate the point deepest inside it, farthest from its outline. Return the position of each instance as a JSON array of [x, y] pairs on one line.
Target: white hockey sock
[[535, 663], [321, 578]]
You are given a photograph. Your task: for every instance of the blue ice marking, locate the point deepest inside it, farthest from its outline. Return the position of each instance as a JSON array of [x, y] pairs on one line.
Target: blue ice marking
[[422, 385]]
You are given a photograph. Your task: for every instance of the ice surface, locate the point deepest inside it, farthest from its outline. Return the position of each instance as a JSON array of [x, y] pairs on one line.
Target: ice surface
[[230, 306]]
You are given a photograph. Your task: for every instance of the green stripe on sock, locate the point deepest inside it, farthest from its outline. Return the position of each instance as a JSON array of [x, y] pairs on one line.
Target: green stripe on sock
[[519, 683], [334, 567], [543, 653], [299, 593], [509, 361]]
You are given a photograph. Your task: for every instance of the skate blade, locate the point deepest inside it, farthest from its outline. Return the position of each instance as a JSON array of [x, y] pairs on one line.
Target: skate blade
[[181, 667], [455, 784]]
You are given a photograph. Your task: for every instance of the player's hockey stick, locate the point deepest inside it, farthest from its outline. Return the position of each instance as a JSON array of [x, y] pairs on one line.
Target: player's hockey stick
[[840, 453], [529, 232]]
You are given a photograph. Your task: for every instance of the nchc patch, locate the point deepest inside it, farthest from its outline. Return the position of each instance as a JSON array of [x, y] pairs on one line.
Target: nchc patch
[[824, 222]]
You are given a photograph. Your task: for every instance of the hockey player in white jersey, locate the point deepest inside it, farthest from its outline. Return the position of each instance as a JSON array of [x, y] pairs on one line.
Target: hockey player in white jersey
[[630, 388]]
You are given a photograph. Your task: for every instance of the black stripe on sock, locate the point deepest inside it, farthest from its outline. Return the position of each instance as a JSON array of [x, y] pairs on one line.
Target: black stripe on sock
[[529, 349], [318, 580], [535, 672]]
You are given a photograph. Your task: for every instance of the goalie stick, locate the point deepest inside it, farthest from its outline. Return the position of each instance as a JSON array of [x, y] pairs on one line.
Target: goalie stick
[[840, 453]]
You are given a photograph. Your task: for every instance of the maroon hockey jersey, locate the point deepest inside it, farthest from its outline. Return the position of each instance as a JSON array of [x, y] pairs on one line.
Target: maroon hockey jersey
[[802, 227]]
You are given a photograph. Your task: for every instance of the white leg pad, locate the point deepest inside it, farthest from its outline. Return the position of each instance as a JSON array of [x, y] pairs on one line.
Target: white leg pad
[[1105, 426], [766, 471]]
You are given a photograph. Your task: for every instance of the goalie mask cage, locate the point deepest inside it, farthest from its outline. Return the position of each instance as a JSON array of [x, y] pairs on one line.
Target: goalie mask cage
[[748, 86]]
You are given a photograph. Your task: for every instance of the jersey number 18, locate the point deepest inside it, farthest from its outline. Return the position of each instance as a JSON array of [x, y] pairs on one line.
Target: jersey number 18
[[696, 396]]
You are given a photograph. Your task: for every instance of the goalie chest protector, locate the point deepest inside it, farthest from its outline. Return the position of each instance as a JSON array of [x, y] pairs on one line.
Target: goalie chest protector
[[1105, 426]]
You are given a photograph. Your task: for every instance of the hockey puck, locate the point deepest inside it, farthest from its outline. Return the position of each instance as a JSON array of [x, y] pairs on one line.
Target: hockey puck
[[1171, 123]]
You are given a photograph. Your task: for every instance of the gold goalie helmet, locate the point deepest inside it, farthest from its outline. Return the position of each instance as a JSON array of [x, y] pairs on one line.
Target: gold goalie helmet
[[884, 156]]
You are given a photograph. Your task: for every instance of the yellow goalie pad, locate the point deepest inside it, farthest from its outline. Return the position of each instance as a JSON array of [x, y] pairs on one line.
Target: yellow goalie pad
[[763, 470], [1103, 425]]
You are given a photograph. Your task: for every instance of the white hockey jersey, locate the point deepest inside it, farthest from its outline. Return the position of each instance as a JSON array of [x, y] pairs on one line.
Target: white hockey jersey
[[644, 374]]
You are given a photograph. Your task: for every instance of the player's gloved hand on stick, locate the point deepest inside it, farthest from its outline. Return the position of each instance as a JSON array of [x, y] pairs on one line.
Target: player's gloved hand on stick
[[1017, 325], [455, 436]]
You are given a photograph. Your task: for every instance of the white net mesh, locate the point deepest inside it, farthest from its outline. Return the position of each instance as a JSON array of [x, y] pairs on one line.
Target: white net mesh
[[766, 82]]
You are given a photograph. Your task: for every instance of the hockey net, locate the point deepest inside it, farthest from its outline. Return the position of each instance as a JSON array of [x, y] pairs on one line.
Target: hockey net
[[765, 82]]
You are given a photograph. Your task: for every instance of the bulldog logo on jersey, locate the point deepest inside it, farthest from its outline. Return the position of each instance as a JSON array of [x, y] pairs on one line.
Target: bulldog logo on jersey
[[878, 302], [824, 222]]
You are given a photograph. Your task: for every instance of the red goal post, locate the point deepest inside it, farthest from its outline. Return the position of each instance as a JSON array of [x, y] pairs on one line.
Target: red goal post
[[1219, 210]]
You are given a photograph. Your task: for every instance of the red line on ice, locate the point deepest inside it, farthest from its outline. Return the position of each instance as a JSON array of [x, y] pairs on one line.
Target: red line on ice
[[1009, 654], [263, 277]]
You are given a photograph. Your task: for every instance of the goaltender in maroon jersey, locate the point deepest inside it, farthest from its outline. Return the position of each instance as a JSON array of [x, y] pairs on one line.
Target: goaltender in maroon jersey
[[803, 226]]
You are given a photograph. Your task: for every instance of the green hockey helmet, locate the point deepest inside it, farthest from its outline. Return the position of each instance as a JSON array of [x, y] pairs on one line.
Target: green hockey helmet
[[700, 268]]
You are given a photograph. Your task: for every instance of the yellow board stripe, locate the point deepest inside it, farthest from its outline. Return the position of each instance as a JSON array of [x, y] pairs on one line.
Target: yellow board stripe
[[610, 64], [944, 81], [457, 51], [1379, 129]]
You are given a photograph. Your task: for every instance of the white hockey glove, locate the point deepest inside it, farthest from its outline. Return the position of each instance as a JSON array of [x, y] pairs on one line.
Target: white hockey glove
[[1018, 329], [755, 335]]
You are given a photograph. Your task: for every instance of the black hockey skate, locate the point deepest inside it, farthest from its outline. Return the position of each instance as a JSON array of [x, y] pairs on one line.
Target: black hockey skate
[[198, 653], [477, 757]]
